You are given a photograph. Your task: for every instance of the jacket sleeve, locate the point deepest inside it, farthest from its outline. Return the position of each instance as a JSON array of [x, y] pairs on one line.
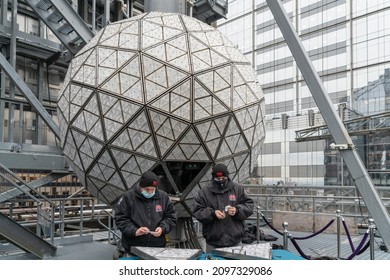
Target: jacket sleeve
[[245, 205], [201, 211], [122, 217], [169, 219]]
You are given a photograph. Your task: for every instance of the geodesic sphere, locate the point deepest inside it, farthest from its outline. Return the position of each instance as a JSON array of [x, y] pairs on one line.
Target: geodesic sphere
[[153, 89]]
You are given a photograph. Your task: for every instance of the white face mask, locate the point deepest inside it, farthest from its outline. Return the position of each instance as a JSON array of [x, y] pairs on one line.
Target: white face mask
[[148, 195]]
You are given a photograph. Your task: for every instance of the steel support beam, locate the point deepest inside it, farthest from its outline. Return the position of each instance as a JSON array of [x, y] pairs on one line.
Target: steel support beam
[[32, 157], [25, 239], [8, 195], [64, 21], [25, 90], [73, 19], [168, 6], [33, 161], [339, 133]]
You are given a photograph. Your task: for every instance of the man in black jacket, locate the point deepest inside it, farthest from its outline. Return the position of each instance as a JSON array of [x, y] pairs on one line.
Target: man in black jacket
[[145, 214], [222, 207]]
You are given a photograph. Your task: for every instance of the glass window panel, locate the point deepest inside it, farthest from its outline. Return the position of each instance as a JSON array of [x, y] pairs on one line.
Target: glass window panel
[[372, 27], [373, 52], [258, 2], [282, 52], [265, 57], [269, 98], [360, 54], [360, 30], [32, 26], [278, 33], [285, 73], [386, 48], [264, 37], [263, 16], [288, 6], [318, 64], [359, 7], [304, 91], [266, 78]]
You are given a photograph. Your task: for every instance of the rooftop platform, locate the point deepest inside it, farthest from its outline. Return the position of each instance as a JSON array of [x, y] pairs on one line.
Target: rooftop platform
[[95, 246]]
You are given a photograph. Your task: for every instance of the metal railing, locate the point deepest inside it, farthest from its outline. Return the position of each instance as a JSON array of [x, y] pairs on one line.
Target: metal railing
[[314, 200], [51, 222], [110, 227]]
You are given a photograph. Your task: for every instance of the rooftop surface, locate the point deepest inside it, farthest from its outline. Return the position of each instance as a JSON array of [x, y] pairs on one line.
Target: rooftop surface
[[95, 247]]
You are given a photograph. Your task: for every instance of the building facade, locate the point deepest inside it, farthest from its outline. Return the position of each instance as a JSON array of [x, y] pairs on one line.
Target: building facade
[[348, 42]]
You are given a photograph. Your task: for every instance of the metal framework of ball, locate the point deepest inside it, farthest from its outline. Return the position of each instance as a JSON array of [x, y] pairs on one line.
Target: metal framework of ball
[[162, 92]]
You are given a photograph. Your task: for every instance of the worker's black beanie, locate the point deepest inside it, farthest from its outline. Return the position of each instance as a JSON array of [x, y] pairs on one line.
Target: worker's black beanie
[[148, 179], [220, 170]]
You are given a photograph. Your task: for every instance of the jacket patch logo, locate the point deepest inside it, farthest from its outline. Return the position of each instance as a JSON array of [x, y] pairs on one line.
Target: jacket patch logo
[[232, 197], [158, 208]]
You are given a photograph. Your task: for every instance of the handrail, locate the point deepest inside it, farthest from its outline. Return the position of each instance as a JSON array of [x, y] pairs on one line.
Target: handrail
[[109, 229], [25, 184]]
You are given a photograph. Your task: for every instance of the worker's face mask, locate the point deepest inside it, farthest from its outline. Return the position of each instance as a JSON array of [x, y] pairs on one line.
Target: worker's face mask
[[148, 194], [220, 182]]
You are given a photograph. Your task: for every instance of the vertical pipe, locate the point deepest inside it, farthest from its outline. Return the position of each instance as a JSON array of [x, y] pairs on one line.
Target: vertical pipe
[[93, 16], [93, 208], [257, 224], [39, 220], [338, 217], [52, 225], [85, 11], [43, 87], [21, 123], [4, 9], [2, 103], [11, 209], [285, 236], [191, 5], [81, 217], [131, 7], [3, 21], [371, 229], [62, 214], [109, 227], [12, 55], [128, 7], [106, 13]]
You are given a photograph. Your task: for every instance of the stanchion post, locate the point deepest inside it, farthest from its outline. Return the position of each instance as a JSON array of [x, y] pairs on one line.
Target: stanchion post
[[338, 217], [257, 224], [285, 236], [371, 229]]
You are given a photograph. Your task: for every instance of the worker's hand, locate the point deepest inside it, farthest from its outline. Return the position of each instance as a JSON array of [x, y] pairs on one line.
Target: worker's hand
[[157, 232], [142, 231], [231, 210], [220, 214]]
